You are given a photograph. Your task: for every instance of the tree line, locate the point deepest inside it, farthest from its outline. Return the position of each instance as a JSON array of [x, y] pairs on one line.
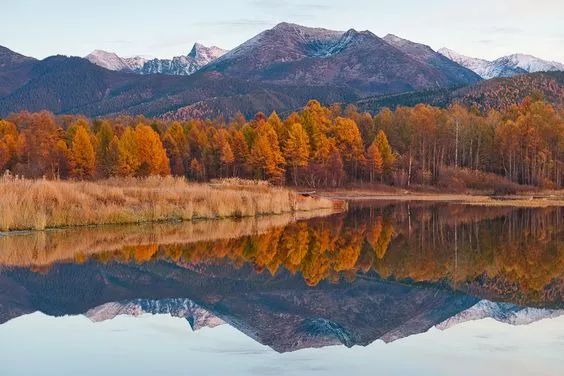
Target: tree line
[[318, 146]]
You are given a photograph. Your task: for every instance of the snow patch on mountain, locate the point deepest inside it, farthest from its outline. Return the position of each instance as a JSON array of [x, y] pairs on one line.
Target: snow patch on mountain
[[334, 47], [136, 62]]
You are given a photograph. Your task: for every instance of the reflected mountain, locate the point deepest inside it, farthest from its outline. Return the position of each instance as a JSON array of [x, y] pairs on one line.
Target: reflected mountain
[[379, 271]]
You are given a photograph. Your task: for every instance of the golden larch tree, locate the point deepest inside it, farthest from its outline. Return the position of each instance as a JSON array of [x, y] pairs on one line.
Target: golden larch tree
[[374, 160], [296, 149], [150, 152], [128, 160], [388, 157], [83, 162]]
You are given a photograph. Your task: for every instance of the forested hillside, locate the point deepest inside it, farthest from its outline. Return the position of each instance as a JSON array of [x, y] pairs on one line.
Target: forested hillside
[[497, 93]]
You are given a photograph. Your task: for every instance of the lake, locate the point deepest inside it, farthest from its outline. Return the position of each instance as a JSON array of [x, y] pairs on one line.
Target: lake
[[385, 288]]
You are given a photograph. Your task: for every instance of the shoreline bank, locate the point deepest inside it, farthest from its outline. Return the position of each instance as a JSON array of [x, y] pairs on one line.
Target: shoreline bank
[[533, 200], [28, 205]]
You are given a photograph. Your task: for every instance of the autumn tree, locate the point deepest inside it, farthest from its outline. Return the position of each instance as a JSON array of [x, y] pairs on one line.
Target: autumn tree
[[41, 134], [105, 164], [266, 156], [388, 157], [196, 169], [83, 156], [335, 167], [276, 123], [150, 152], [375, 160], [10, 144], [240, 150], [177, 149], [349, 143], [226, 155], [316, 121], [200, 145], [296, 149], [63, 159], [128, 155]]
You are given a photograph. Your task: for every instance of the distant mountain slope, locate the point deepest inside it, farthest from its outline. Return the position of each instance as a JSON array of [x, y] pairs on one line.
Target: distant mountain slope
[[290, 54], [453, 70], [503, 92], [74, 85], [61, 84], [498, 93], [184, 65], [264, 98], [15, 70], [506, 66]]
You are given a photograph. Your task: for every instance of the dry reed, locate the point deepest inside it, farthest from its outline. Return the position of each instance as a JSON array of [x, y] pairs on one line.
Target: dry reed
[[41, 204]]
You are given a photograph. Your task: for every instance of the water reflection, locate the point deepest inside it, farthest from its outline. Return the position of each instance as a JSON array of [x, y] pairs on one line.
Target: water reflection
[[379, 271]]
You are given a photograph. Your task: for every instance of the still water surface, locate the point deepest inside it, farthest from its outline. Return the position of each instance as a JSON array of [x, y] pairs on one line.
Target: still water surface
[[410, 288]]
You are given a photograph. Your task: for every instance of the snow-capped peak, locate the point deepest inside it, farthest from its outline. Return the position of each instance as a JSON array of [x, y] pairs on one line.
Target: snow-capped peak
[[530, 63], [108, 60], [505, 66], [199, 51], [203, 55], [455, 56], [481, 67]]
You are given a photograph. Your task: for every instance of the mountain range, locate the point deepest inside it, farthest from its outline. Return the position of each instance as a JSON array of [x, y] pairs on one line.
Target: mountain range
[[183, 65], [279, 69]]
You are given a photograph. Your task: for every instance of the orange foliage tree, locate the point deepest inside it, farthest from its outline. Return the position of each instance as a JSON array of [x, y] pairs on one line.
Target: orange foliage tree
[[83, 157]]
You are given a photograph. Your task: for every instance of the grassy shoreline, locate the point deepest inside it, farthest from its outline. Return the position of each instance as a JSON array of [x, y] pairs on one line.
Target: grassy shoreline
[[43, 204], [529, 200]]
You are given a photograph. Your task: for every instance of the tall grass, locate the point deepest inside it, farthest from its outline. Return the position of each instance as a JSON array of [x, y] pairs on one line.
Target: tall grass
[[40, 204]]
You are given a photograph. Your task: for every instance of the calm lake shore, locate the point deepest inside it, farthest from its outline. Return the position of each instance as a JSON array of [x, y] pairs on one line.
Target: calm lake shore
[[43, 204], [532, 200]]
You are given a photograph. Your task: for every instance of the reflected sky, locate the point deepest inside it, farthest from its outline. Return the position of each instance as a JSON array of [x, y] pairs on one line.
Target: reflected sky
[[146, 345]]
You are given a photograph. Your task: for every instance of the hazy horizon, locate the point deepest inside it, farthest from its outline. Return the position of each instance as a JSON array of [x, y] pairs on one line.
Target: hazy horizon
[[484, 29]]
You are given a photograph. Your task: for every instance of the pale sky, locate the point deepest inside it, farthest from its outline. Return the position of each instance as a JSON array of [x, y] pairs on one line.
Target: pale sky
[[480, 28]]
